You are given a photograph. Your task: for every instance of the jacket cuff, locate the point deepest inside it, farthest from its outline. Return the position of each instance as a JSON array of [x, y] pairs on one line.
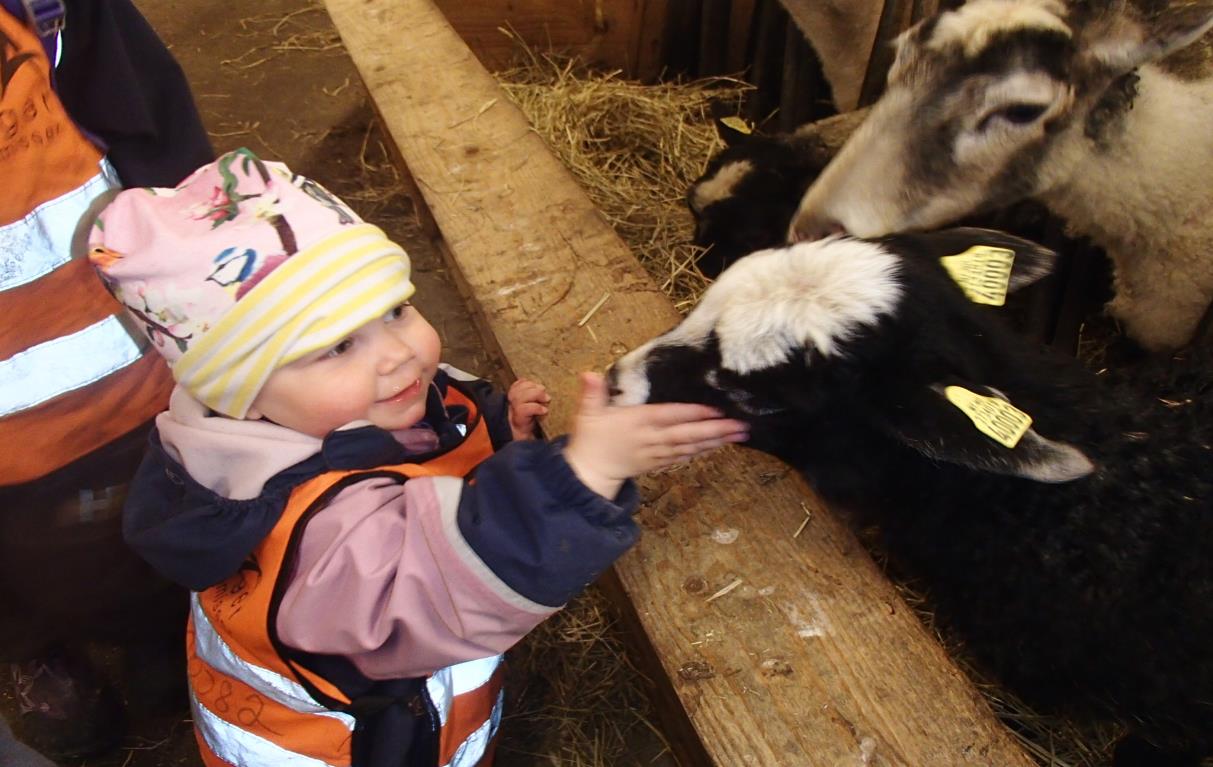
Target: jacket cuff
[[538, 528]]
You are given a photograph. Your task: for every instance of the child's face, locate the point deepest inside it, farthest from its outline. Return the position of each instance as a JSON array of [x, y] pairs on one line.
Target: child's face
[[380, 373]]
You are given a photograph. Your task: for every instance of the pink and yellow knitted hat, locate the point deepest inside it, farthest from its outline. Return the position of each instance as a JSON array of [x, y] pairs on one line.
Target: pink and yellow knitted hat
[[243, 268]]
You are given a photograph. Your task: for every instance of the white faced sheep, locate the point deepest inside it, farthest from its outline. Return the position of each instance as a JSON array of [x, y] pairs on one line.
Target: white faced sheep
[[1069, 103], [1076, 563]]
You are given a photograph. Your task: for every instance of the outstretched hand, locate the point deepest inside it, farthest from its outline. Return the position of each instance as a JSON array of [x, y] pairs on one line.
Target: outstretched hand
[[610, 444], [528, 401]]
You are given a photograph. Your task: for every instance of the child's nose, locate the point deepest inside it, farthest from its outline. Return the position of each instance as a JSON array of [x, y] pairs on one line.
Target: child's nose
[[394, 352]]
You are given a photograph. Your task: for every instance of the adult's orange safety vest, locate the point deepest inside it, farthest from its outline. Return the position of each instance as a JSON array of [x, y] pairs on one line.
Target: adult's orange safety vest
[[72, 376], [255, 705]]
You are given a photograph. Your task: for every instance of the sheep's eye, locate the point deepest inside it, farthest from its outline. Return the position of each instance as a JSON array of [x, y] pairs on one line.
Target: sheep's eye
[[1014, 114]]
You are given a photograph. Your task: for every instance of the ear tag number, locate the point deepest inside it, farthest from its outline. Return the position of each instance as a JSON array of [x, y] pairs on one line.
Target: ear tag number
[[983, 272], [737, 124], [996, 418]]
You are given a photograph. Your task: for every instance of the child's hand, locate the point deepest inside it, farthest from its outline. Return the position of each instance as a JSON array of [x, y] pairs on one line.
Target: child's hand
[[610, 444], [528, 400]]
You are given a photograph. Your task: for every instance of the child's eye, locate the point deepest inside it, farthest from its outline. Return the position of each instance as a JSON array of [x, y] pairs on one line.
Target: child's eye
[[341, 348], [397, 312]]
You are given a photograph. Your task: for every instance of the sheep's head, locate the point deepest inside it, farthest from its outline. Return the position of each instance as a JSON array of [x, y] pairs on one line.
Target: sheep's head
[[986, 105], [852, 343], [773, 309], [745, 198]]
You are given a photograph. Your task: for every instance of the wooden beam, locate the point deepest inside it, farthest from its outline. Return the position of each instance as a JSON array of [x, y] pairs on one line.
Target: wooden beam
[[782, 649], [602, 32]]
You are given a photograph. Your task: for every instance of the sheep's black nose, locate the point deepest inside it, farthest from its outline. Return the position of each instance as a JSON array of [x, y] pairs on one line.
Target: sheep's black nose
[[812, 228], [612, 382]]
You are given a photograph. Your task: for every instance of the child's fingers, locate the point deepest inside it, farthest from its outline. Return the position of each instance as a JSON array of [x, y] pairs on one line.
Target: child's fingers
[[537, 395], [671, 413], [526, 388], [668, 455], [681, 443], [691, 432], [534, 401]]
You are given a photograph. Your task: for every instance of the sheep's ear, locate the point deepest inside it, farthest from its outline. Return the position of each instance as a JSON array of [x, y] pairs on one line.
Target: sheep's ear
[[1030, 261], [734, 131], [975, 426], [1121, 43]]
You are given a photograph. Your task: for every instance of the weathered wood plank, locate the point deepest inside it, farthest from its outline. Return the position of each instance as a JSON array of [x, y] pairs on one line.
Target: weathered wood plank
[[811, 658], [600, 31]]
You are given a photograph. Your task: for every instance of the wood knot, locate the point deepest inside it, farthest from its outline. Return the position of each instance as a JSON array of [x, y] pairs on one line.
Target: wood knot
[[696, 670]]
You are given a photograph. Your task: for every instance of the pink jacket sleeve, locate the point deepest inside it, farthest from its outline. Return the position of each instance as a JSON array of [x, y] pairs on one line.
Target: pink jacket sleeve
[[384, 578]]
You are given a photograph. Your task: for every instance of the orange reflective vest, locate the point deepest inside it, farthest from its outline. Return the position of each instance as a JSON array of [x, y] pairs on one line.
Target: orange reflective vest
[[72, 377], [253, 706]]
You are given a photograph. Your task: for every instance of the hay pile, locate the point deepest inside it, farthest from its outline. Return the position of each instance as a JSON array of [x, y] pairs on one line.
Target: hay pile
[[636, 149]]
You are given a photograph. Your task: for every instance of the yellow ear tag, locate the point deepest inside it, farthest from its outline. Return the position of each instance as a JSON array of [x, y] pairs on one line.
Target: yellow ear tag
[[983, 272], [737, 124], [996, 418]]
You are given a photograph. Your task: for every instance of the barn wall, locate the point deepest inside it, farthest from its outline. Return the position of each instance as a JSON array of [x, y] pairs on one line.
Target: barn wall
[[629, 35], [648, 39]]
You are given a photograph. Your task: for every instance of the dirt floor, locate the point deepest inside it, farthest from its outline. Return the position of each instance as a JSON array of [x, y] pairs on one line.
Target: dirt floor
[[273, 76]]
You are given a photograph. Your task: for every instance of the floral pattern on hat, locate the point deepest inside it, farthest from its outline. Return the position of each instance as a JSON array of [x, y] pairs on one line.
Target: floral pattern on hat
[[253, 216]]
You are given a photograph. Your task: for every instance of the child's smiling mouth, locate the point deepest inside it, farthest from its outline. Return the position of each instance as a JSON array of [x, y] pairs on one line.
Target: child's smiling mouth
[[406, 393]]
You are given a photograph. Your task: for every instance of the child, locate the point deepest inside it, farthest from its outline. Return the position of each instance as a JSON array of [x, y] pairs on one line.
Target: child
[[312, 481]]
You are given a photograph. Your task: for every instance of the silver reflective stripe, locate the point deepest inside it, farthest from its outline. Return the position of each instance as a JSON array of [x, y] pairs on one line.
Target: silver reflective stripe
[[42, 241], [454, 680], [472, 674], [239, 747], [64, 364], [471, 750], [217, 654]]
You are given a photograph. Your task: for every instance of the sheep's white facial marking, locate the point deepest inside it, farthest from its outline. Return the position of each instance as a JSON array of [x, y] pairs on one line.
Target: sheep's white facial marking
[[771, 306], [775, 304], [720, 186], [975, 23]]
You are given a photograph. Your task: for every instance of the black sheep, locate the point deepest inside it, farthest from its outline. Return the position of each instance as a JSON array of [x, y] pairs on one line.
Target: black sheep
[[1076, 563], [747, 195]]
